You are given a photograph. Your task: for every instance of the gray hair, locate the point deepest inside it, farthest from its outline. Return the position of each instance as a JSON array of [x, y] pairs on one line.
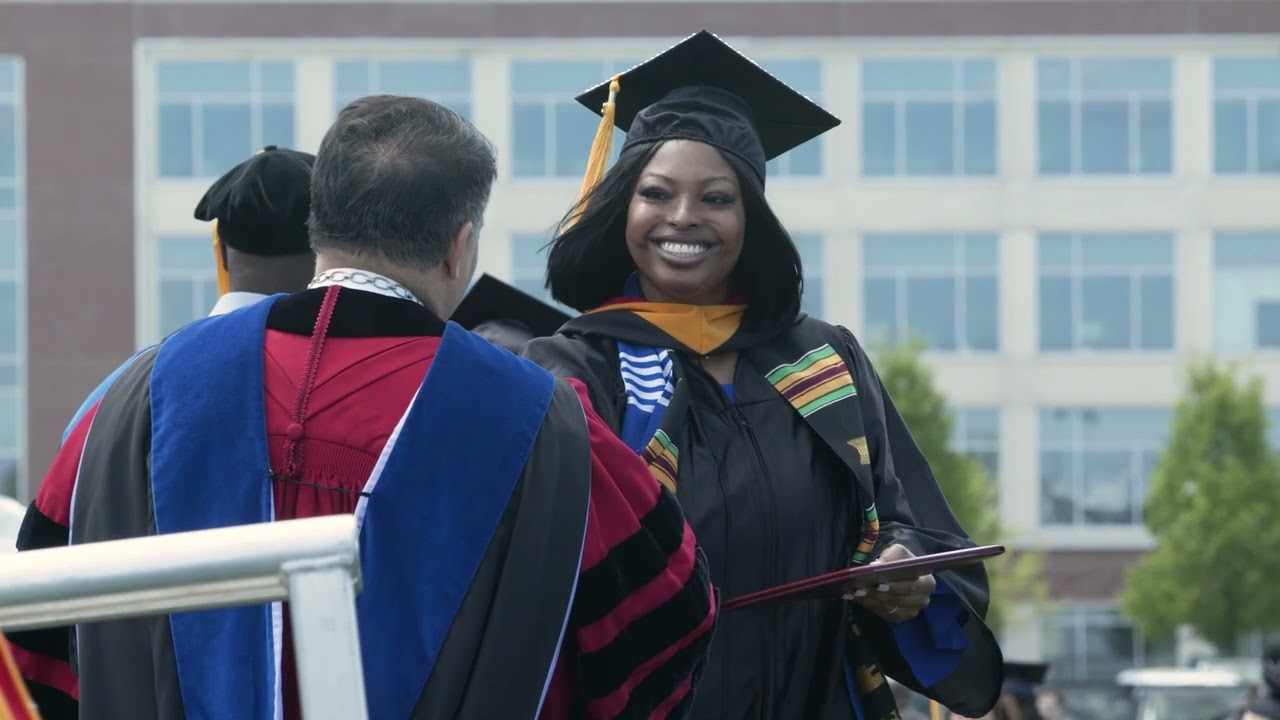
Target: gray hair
[[397, 177]]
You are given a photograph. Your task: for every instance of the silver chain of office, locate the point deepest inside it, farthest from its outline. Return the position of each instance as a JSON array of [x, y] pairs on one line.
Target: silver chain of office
[[380, 284]]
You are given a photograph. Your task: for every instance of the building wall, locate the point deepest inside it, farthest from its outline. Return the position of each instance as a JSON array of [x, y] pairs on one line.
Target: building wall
[[100, 252]]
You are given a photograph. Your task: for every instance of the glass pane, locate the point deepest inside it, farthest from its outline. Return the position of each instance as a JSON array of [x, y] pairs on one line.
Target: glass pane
[[1246, 74], [528, 253], [177, 306], [195, 78], [227, 138], [573, 135], [8, 317], [1054, 137], [1055, 313], [9, 412], [1155, 137], [1267, 325], [9, 476], [351, 78], [1230, 137], [8, 141], [556, 78], [1246, 249], [1057, 494], [979, 252], [806, 160], [878, 139], [931, 311], [1155, 312], [978, 76], [8, 198], [1107, 492], [1058, 426], [811, 303], [1129, 426], [1268, 160], [1105, 313], [187, 253], [529, 131], [277, 125], [276, 77], [175, 154], [981, 317], [879, 310], [8, 244], [8, 76], [911, 250], [1112, 250], [1150, 75], [425, 78], [980, 138], [1055, 250], [1104, 137], [908, 76], [930, 138], [803, 75], [1053, 76]]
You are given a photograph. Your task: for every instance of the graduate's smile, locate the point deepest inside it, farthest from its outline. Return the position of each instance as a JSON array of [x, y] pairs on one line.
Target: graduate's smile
[[684, 251]]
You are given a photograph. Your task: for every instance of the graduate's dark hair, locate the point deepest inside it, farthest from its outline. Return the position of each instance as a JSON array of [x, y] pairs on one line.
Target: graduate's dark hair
[[589, 262], [398, 177]]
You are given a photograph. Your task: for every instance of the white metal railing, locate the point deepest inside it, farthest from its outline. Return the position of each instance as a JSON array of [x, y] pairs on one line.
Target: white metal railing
[[312, 563]]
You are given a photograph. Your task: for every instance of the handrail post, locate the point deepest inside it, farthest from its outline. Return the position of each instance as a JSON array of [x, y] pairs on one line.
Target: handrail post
[[326, 640]]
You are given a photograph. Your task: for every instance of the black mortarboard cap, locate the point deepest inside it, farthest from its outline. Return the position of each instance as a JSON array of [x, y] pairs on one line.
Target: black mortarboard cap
[[702, 89], [262, 204], [490, 299]]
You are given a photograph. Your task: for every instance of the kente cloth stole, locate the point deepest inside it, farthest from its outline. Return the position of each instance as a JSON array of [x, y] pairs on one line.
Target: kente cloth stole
[[808, 371]]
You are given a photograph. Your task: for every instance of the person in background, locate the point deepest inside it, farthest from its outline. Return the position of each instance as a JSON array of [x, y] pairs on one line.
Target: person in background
[[771, 426], [492, 500], [1018, 695], [258, 211], [507, 316]]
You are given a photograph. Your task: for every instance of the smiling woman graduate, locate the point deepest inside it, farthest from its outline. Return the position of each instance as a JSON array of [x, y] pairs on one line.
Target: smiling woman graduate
[[786, 453]]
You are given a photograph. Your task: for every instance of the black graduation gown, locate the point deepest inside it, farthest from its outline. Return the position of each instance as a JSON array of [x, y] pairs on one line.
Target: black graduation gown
[[772, 503]]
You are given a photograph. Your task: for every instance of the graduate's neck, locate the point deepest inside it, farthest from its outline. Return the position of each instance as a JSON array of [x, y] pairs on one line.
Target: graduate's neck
[[269, 275], [429, 286]]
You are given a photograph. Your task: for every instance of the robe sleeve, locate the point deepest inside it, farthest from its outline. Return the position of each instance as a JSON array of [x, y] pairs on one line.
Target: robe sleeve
[[645, 608], [947, 653], [44, 656]]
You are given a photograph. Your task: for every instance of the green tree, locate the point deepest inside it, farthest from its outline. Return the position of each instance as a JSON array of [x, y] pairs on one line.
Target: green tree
[[1212, 510], [965, 483]]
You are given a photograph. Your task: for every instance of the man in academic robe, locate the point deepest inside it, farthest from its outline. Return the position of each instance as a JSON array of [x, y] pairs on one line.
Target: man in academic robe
[[258, 211], [518, 560]]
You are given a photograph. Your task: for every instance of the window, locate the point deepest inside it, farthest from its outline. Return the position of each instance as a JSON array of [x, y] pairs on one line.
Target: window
[[942, 288], [1106, 291], [529, 265], [1093, 643], [1273, 428], [1246, 291], [188, 282], [928, 117], [1246, 115], [12, 277], [1095, 464], [976, 433], [447, 82], [213, 115], [805, 77], [1105, 116], [552, 132], [810, 247]]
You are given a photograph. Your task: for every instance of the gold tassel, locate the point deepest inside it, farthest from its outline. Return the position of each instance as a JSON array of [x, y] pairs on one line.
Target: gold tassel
[[598, 161], [935, 711], [224, 280]]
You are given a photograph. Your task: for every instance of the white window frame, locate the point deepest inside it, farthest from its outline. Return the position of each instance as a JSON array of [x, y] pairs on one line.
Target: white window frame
[[959, 272], [18, 391], [255, 97], [1076, 272], [375, 86], [962, 442], [1251, 99], [957, 96], [1075, 97], [1076, 448], [1074, 616]]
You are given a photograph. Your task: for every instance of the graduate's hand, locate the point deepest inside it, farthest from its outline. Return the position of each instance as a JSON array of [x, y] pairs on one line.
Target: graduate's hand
[[895, 601]]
